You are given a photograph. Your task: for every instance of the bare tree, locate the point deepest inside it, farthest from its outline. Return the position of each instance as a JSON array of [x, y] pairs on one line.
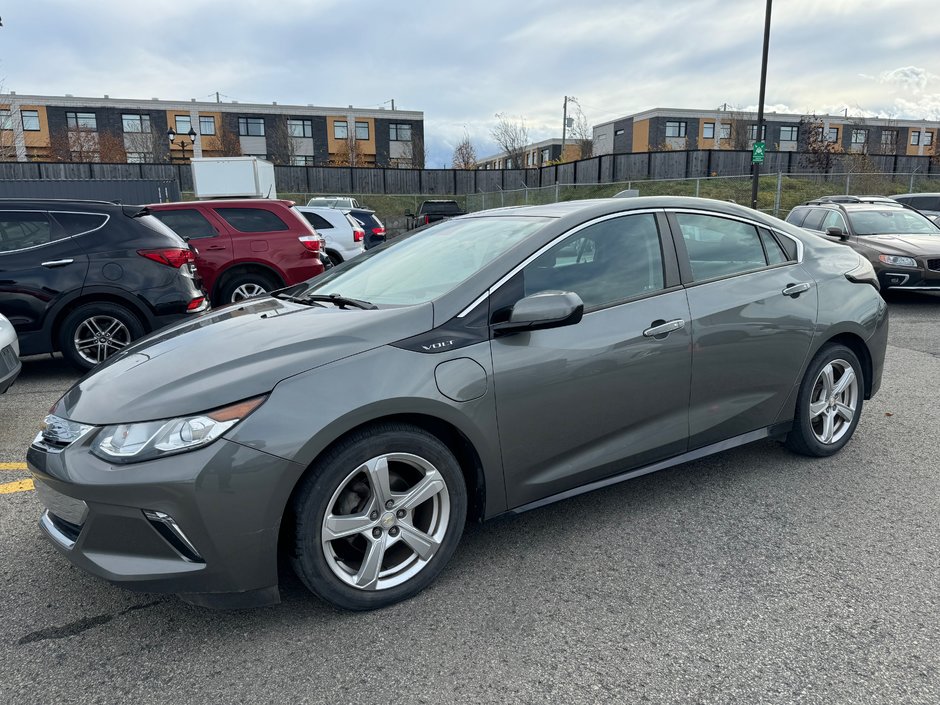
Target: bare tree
[[739, 133], [229, 144], [581, 133], [512, 136], [347, 154], [816, 150], [144, 145], [465, 156]]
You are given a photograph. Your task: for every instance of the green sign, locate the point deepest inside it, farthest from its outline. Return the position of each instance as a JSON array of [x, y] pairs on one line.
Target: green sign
[[757, 155]]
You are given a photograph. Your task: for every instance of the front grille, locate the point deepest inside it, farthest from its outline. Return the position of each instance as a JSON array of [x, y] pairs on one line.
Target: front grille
[[8, 359], [934, 264], [62, 507]]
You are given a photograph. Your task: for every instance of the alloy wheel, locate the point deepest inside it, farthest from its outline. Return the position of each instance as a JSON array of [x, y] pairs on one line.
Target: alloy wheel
[[247, 291], [834, 401], [385, 521], [98, 337]]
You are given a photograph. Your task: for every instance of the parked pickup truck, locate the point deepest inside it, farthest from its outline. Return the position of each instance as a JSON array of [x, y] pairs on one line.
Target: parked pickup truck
[[433, 211]]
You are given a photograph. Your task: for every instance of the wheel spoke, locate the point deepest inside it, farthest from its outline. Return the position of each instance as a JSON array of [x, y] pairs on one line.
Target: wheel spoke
[[816, 408], [337, 527], [419, 542], [368, 576], [827, 379], [828, 426], [844, 382], [430, 485], [846, 412], [377, 469]]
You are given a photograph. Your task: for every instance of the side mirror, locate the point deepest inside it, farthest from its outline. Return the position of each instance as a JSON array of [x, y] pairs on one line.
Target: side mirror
[[837, 232], [547, 309]]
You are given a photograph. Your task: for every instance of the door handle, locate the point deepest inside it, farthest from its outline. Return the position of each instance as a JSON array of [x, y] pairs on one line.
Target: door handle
[[795, 290], [215, 247], [57, 262], [663, 328]]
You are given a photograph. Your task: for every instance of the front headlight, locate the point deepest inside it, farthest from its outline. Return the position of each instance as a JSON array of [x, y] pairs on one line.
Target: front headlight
[[134, 442], [898, 261]]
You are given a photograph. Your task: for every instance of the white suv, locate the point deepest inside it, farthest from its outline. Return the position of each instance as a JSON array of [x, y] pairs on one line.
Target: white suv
[[345, 237]]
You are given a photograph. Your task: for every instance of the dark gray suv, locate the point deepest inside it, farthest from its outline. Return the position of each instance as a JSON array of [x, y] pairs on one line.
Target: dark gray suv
[[489, 364]]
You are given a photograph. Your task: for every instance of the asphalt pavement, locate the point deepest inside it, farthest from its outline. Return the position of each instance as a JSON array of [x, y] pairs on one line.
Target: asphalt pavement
[[754, 576]]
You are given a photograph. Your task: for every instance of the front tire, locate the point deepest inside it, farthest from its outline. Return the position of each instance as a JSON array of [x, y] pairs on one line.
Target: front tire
[[246, 286], [378, 517], [829, 404], [93, 332]]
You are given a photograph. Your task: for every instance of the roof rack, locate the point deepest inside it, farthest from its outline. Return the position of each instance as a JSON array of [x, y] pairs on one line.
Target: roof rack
[[851, 199]]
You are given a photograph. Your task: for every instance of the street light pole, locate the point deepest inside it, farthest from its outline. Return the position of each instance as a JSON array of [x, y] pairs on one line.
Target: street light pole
[[171, 136], [760, 106], [564, 127]]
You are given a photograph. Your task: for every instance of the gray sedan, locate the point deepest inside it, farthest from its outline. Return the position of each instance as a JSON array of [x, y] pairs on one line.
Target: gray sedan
[[10, 365], [490, 364]]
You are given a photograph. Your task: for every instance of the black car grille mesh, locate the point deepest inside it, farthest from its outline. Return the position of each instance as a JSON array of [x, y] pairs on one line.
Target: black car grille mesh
[[934, 264]]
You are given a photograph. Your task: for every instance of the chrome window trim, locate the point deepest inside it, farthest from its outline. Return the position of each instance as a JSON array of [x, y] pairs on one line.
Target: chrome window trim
[[542, 250], [107, 217]]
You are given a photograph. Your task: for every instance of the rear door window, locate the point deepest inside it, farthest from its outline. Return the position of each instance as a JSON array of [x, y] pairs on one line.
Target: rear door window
[[720, 247], [796, 216], [187, 222], [20, 230], [252, 220], [814, 218]]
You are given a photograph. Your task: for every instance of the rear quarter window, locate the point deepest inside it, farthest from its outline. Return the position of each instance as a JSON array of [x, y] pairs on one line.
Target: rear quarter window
[[814, 218], [78, 223], [252, 220], [796, 216], [187, 222], [318, 222]]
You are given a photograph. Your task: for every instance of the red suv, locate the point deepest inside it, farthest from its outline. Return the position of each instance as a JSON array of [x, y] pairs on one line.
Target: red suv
[[245, 247]]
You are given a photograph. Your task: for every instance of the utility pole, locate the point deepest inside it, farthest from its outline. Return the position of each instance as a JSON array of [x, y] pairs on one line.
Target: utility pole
[[393, 103], [760, 109], [217, 99], [564, 126]]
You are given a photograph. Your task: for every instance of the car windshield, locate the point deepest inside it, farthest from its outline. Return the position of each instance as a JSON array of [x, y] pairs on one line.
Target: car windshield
[[893, 221], [422, 267]]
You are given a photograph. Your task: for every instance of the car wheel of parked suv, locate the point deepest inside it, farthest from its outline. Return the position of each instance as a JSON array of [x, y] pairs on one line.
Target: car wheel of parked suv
[[246, 286], [829, 404], [378, 517], [93, 332]]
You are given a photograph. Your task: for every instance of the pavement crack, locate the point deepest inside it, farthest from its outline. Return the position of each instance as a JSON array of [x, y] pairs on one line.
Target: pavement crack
[[79, 626]]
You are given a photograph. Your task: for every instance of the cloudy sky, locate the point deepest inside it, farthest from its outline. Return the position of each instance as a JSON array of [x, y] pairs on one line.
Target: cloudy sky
[[463, 62]]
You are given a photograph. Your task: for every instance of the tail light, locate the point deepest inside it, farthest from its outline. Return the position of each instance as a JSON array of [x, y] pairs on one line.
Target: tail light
[[378, 232], [359, 235], [196, 303], [311, 242], [174, 257], [427, 220]]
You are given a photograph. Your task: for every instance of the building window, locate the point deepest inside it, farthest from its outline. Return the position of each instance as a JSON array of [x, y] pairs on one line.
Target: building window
[[789, 134], [136, 123], [340, 130], [752, 132], [81, 121], [617, 133], [206, 125], [184, 123], [833, 135], [859, 136], [251, 126], [915, 137], [362, 130], [140, 158], [301, 160], [399, 132], [6, 120], [889, 137], [928, 138], [725, 132], [708, 130], [674, 128], [299, 128], [30, 120], [84, 156]]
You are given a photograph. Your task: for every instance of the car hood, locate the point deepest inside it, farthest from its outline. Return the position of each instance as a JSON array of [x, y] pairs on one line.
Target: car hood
[[903, 244], [234, 353]]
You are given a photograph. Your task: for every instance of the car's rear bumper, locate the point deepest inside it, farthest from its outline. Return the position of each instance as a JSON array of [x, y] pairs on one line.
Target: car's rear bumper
[[203, 524]]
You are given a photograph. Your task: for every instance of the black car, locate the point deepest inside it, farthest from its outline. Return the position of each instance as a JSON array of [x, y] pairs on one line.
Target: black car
[[88, 277], [902, 244], [926, 203], [375, 231], [433, 211]]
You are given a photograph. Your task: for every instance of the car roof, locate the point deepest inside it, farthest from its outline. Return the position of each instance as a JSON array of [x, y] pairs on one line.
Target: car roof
[[919, 193], [223, 202], [51, 203], [602, 206]]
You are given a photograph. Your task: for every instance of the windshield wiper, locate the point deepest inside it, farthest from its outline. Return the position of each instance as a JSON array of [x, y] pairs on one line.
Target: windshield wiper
[[339, 300]]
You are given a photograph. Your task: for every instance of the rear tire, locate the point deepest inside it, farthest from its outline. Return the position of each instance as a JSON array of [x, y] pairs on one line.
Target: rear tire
[[829, 404], [245, 286], [334, 258], [377, 517], [93, 332]]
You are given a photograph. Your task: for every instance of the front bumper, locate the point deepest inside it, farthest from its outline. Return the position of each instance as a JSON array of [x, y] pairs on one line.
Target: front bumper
[[910, 279], [202, 524]]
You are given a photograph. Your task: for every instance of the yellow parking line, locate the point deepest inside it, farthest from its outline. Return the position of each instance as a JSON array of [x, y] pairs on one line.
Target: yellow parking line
[[12, 466], [18, 486]]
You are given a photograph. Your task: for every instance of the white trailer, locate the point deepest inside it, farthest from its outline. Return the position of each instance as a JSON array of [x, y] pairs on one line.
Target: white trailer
[[233, 177]]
